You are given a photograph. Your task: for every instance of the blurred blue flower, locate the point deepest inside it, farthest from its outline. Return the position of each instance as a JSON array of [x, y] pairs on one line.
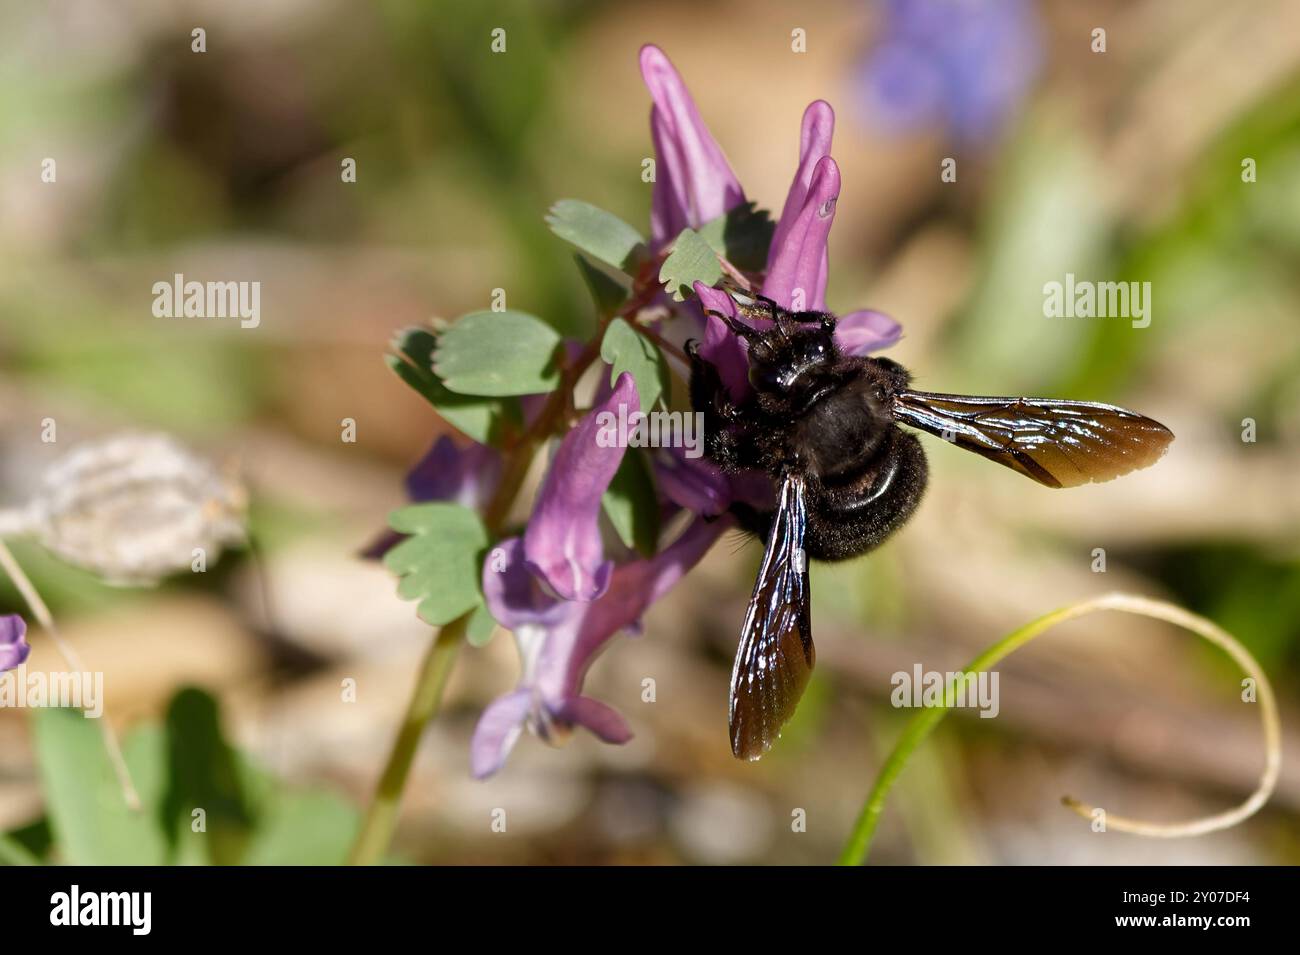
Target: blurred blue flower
[[966, 64]]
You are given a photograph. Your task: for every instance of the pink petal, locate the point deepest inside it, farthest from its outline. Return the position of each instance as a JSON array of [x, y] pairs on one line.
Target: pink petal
[[600, 718], [513, 594], [634, 588], [860, 333], [693, 180], [692, 483], [562, 544], [814, 143], [497, 732], [798, 266]]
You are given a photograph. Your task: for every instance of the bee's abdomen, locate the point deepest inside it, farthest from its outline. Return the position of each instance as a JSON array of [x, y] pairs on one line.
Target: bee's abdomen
[[850, 518]]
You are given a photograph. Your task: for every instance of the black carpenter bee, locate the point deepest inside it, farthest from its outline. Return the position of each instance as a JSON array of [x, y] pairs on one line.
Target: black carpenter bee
[[825, 427]]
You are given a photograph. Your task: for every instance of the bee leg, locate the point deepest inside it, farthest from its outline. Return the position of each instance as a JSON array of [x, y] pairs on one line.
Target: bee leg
[[762, 308], [710, 398], [708, 394]]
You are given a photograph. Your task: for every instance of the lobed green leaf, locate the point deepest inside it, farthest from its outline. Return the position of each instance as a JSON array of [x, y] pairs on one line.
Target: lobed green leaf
[[498, 354], [440, 561], [626, 350], [600, 234], [692, 260], [479, 418]]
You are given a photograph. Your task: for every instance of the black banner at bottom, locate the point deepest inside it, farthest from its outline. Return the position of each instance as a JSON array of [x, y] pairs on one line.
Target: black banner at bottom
[[300, 905]]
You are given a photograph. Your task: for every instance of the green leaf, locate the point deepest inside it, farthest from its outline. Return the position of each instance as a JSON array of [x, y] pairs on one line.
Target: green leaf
[[479, 418], [498, 354], [631, 505], [626, 350], [203, 774], [440, 561], [600, 234], [13, 852], [304, 828], [741, 236], [608, 294], [692, 260], [90, 820], [481, 627]]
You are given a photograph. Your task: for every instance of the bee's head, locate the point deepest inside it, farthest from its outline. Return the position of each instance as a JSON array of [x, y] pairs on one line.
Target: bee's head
[[788, 360]]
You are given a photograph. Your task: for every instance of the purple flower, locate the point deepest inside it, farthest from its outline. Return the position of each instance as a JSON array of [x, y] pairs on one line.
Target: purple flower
[[815, 136], [559, 639], [447, 472], [553, 586], [694, 184], [466, 476], [14, 648], [564, 600], [691, 483], [797, 262], [562, 545], [693, 181], [964, 64]]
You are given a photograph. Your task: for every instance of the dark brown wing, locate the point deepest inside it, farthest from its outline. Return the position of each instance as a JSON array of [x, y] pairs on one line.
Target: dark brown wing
[[775, 657], [1056, 442]]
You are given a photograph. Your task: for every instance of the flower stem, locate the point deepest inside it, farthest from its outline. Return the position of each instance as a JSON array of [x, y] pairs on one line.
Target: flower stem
[[70, 657], [859, 842], [381, 815]]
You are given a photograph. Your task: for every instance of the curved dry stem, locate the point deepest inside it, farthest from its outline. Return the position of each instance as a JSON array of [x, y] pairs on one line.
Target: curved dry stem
[[1268, 714], [859, 842]]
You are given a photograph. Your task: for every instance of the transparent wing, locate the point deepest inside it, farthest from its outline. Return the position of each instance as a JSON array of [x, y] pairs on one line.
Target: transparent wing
[[775, 657], [1056, 442]]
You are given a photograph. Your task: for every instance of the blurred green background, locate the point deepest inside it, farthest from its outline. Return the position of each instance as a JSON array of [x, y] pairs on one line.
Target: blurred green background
[[226, 165]]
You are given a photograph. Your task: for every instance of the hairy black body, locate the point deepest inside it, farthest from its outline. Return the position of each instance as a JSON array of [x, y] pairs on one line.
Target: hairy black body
[[825, 427], [826, 416]]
